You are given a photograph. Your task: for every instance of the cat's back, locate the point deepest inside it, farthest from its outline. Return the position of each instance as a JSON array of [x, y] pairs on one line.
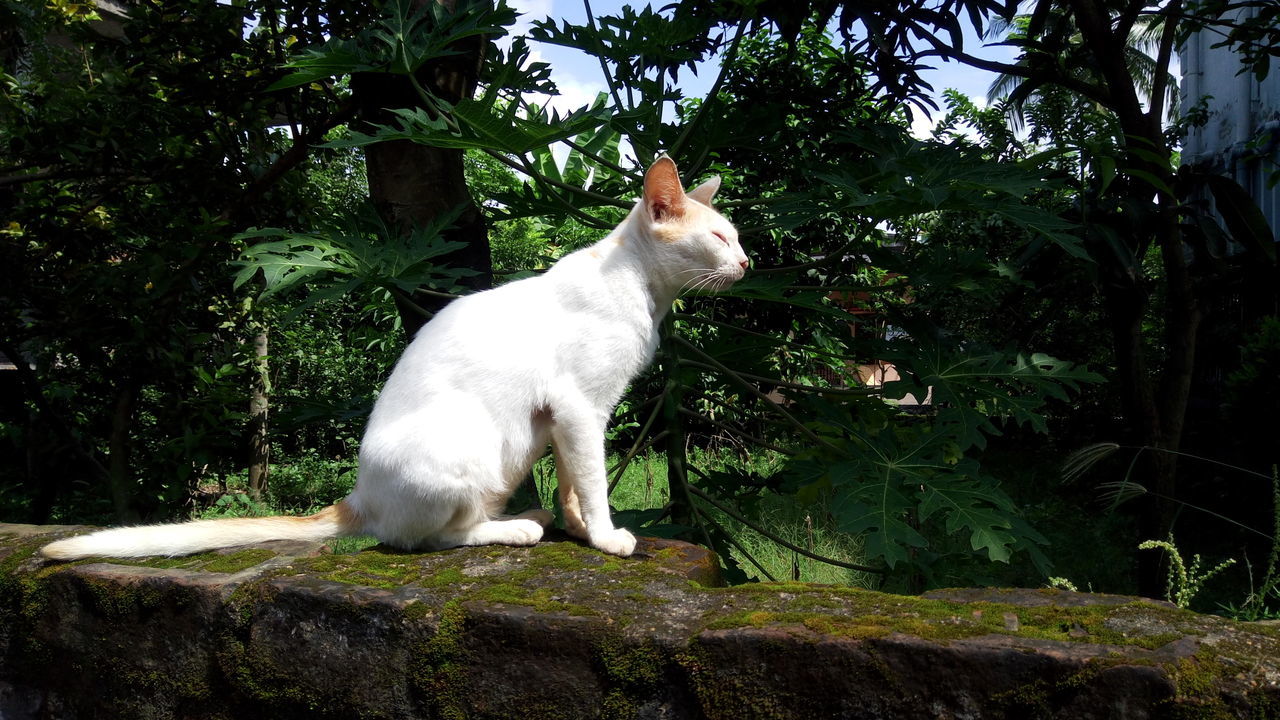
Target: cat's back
[[535, 312], [487, 327], [519, 339]]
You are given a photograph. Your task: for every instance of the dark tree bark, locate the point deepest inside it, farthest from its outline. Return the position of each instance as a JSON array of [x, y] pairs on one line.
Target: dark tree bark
[[120, 446], [411, 184], [259, 405]]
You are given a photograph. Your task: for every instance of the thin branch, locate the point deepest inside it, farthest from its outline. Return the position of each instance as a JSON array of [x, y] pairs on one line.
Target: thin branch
[[643, 448], [858, 392], [21, 178], [290, 159], [586, 152], [790, 546], [600, 53], [740, 433], [734, 542], [725, 63], [600, 199], [635, 447], [769, 402], [1124, 22], [1159, 84], [1093, 92], [771, 338], [526, 168], [630, 174], [66, 174], [403, 300], [828, 258]]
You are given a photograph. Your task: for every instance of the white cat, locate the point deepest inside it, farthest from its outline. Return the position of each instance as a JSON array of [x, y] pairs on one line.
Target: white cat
[[488, 383]]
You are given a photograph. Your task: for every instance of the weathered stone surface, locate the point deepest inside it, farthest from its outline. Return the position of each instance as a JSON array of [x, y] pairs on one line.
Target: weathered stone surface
[[562, 631]]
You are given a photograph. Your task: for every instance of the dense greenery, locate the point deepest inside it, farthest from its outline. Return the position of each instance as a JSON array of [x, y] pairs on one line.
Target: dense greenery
[[989, 268]]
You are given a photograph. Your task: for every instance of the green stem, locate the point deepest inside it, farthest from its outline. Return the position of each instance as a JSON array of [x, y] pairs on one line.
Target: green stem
[[859, 392], [734, 542], [792, 547], [682, 511], [725, 63], [769, 402], [600, 54], [638, 445], [735, 431], [771, 338]]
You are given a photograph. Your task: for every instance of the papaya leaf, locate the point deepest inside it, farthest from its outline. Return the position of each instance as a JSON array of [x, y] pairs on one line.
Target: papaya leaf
[[875, 507], [1242, 216]]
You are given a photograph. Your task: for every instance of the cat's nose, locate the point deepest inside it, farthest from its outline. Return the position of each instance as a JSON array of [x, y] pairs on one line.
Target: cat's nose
[[744, 264]]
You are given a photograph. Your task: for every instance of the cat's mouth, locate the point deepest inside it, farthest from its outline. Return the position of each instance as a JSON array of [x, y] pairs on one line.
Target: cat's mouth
[[725, 279], [713, 281]]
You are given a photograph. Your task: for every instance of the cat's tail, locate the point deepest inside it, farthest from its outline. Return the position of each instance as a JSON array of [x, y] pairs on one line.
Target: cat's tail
[[201, 535]]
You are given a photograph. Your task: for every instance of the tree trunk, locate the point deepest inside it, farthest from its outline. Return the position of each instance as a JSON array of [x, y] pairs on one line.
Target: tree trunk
[[1155, 401], [259, 404], [119, 446], [411, 184]]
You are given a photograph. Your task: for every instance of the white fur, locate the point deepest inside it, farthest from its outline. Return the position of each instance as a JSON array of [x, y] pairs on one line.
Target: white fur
[[495, 376], [193, 537]]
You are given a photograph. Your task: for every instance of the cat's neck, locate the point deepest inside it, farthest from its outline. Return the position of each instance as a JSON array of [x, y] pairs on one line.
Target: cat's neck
[[628, 264]]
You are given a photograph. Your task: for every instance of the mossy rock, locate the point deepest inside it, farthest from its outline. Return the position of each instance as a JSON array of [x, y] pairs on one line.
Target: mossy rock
[[561, 630]]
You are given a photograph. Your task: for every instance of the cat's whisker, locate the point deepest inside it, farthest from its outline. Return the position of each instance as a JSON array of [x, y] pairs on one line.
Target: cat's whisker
[[704, 281], [696, 280], [700, 282]]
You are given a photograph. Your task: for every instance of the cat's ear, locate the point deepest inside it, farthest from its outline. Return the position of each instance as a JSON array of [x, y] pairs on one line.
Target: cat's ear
[[663, 194], [707, 190]]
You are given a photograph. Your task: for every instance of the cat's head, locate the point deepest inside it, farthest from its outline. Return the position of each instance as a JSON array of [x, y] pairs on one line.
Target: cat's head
[[694, 246]]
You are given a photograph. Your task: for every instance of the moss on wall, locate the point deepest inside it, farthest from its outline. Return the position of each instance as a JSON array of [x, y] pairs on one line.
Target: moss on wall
[[651, 639]]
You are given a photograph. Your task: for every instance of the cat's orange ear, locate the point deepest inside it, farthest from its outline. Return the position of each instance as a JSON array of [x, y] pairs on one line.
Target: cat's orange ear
[[663, 194], [707, 190]]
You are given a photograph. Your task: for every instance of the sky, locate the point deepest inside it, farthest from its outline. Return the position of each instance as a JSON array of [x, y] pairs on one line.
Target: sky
[[580, 78]]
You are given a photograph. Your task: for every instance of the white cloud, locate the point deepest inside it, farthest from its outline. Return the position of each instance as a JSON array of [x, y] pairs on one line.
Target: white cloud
[[529, 10]]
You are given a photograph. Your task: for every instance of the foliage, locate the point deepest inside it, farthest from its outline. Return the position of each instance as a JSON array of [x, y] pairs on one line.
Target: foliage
[[1251, 390], [1184, 581], [1263, 600], [882, 471], [118, 230], [854, 226], [359, 254], [804, 222], [1060, 583]]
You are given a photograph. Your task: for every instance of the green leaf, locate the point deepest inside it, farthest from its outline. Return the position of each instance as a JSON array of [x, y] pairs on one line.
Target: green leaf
[[979, 508], [1242, 216], [875, 507]]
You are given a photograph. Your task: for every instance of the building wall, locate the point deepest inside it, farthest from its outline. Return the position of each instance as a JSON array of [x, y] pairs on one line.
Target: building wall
[[1242, 135]]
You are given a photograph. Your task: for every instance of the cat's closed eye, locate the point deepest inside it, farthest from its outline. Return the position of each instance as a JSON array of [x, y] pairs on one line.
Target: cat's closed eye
[[723, 239]]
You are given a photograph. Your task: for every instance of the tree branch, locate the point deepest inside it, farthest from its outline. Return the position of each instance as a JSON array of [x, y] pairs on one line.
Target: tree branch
[[1093, 92], [859, 392], [1160, 83], [291, 158]]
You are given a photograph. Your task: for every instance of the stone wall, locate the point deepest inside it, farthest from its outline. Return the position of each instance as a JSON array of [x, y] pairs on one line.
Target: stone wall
[[561, 631]]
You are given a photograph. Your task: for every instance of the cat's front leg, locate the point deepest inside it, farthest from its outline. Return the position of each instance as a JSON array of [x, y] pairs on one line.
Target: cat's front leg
[[572, 511], [578, 438]]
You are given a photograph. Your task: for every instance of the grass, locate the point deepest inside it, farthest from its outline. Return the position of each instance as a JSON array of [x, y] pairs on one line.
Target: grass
[[310, 483], [644, 486]]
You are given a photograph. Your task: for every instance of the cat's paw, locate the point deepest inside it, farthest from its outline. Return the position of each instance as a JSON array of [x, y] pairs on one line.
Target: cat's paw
[[521, 531], [538, 515], [615, 542]]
